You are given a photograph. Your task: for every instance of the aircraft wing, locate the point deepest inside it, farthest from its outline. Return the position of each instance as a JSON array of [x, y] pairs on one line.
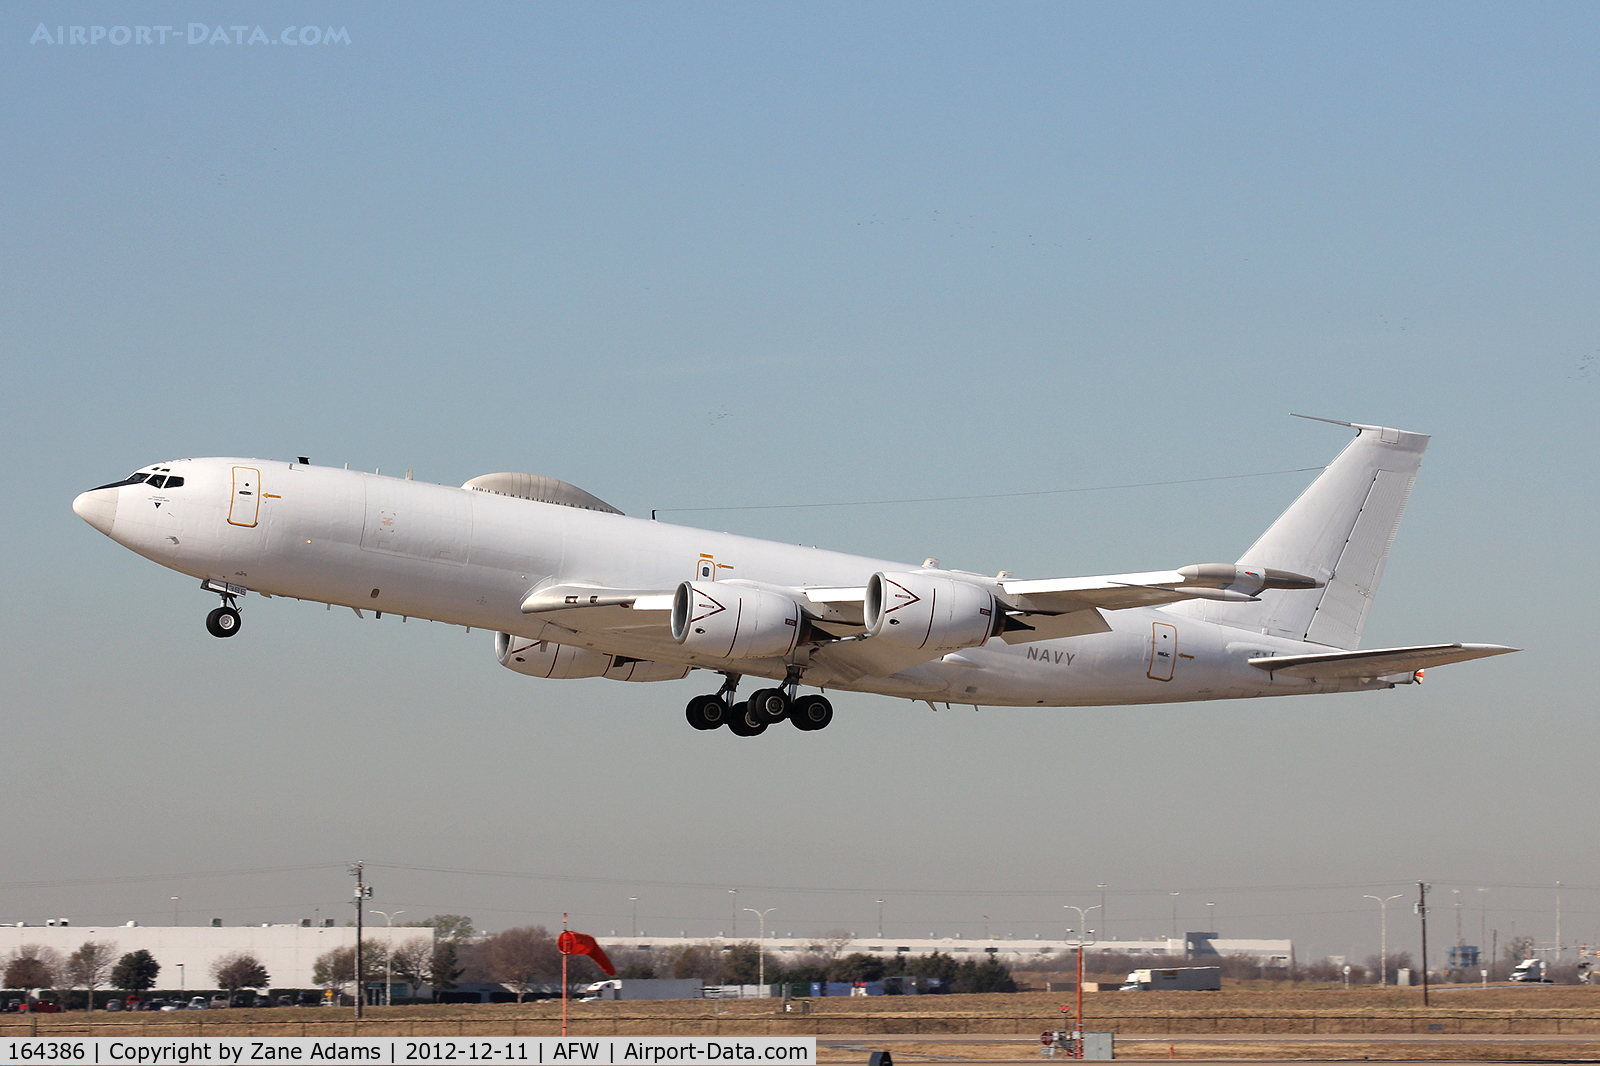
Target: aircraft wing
[[1379, 662]]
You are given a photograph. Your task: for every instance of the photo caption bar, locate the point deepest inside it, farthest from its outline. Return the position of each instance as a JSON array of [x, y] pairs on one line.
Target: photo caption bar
[[537, 1051]]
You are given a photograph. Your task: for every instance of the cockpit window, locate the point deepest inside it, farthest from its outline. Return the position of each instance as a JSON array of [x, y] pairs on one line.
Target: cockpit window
[[157, 481], [174, 482], [131, 479]]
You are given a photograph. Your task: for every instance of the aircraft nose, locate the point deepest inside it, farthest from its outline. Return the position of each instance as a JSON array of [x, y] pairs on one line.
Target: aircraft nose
[[98, 507]]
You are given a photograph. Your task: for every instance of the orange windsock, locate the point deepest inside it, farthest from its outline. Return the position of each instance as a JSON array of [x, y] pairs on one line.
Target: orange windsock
[[572, 943]]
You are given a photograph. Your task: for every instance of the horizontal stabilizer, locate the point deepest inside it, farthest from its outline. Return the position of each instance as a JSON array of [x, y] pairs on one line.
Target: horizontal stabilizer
[[1379, 662]]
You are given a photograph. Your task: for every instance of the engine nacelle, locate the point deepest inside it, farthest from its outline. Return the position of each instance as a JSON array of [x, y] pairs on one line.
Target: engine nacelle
[[624, 669], [545, 658], [733, 622], [929, 613]]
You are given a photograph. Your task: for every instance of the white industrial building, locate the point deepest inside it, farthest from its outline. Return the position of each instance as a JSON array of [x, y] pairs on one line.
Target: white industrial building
[[187, 953], [1009, 950]]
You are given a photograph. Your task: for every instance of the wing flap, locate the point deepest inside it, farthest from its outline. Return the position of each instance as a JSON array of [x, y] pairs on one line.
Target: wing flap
[[1378, 662]]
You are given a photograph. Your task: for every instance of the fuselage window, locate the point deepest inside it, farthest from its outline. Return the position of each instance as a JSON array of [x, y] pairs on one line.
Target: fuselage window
[[158, 481]]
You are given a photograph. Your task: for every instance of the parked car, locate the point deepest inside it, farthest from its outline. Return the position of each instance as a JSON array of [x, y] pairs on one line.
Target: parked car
[[285, 1001], [310, 999], [197, 1003], [219, 1002], [153, 1004], [11, 1006], [113, 1005], [176, 1004]]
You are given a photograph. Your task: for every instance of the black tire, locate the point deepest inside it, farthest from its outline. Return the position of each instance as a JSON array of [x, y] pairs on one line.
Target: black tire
[[769, 705], [706, 712], [223, 622], [743, 723], [811, 712]]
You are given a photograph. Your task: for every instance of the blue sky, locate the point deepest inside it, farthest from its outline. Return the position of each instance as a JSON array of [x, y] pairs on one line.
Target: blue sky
[[690, 255]]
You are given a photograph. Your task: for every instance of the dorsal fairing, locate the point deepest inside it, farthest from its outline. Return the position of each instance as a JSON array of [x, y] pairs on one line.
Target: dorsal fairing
[[539, 489]]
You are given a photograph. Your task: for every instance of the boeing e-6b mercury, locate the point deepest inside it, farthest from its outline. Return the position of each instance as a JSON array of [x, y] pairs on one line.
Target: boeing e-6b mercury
[[573, 588]]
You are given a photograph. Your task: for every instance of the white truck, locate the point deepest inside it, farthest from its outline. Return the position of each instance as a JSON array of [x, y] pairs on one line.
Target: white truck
[[1531, 971], [660, 988], [1179, 979]]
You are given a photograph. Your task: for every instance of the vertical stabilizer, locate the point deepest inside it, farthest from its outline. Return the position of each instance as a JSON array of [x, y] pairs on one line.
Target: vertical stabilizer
[[1338, 531]]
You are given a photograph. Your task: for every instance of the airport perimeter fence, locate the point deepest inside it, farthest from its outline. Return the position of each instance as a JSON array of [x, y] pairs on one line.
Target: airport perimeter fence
[[1162, 1023]]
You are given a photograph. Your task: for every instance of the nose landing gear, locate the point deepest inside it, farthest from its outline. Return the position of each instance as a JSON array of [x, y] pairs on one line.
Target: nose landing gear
[[224, 621]]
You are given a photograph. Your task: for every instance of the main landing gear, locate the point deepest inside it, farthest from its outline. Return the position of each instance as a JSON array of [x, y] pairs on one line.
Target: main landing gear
[[768, 706]]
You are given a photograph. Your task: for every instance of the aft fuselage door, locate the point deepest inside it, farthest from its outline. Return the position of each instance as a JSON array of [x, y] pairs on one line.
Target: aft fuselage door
[[245, 507], [1163, 651]]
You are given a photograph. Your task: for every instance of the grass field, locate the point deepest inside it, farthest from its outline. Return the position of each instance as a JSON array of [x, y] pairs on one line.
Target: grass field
[[1551, 1023]]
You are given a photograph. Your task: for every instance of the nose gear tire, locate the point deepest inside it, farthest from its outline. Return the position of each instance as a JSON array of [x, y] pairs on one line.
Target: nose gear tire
[[223, 622]]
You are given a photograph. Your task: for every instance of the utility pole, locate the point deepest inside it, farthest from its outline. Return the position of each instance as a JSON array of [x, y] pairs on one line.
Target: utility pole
[[880, 919], [1422, 913], [733, 909], [362, 894]]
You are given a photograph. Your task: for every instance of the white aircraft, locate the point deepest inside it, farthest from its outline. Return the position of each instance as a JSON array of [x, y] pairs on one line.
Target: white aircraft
[[573, 588]]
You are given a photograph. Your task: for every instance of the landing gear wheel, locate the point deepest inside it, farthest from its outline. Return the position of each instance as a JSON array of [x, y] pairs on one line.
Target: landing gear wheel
[[223, 622], [811, 712], [743, 722], [769, 705], [707, 712]]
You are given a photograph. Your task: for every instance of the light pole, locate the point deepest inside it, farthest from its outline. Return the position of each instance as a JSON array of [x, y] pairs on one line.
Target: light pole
[[1083, 920], [1383, 937], [1211, 917], [634, 928], [1105, 923], [175, 911], [388, 977], [761, 948], [880, 919], [1174, 915], [1558, 923], [733, 908]]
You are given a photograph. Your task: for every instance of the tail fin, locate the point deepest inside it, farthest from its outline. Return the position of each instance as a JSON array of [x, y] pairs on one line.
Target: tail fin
[[1339, 531]]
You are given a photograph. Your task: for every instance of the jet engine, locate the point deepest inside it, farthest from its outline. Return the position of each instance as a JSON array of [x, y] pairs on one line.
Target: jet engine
[[545, 658], [929, 613], [733, 622]]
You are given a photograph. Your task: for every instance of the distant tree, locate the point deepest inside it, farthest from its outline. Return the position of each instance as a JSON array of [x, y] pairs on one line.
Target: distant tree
[[830, 944], [522, 957], [1389, 968], [634, 964], [411, 961], [987, 976], [89, 966], [445, 965], [337, 968], [937, 965], [741, 963], [239, 970], [33, 966], [702, 961], [456, 928], [855, 967], [135, 972], [334, 969]]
